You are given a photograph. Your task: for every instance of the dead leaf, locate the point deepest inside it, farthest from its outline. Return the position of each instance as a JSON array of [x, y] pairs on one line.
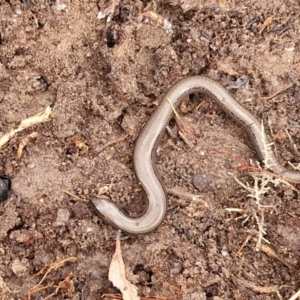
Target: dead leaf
[[118, 277]]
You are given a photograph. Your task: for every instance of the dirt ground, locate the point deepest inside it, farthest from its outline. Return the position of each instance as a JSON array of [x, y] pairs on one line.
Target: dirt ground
[[103, 80]]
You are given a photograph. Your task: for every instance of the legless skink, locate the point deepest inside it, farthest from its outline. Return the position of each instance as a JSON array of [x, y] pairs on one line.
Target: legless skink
[[146, 146]]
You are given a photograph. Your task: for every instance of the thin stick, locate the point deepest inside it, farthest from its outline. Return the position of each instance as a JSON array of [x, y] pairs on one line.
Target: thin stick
[[243, 246], [113, 142], [278, 92]]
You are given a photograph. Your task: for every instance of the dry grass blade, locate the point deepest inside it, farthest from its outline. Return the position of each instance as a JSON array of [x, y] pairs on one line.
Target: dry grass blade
[[278, 92]]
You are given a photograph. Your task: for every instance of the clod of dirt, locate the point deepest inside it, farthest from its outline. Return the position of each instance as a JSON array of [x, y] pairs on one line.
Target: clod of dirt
[[20, 267], [8, 221], [62, 217]]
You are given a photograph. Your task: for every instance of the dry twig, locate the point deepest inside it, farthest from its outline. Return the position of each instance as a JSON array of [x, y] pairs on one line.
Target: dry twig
[[114, 142], [278, 92]]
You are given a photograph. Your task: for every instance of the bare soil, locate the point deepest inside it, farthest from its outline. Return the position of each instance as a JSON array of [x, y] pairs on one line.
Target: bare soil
[[103, 80]]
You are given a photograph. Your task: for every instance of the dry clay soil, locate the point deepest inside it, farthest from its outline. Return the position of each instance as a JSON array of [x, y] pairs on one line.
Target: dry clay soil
[[103, 80]]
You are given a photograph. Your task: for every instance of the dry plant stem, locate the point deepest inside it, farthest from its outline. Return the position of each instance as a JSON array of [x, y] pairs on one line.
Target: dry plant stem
[[5, 290], [185, 139], [256, 192], [261, 231], [113, 142], [154, 16], [24, 143], [35, 290], [271, 253], [234, 209], [62, 285], [248, 238], [278, 92], [297, 167], [52, 266], [267, 23], [263, 171], [259, 220], [291, 140], [38, 118], [295, 296]]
